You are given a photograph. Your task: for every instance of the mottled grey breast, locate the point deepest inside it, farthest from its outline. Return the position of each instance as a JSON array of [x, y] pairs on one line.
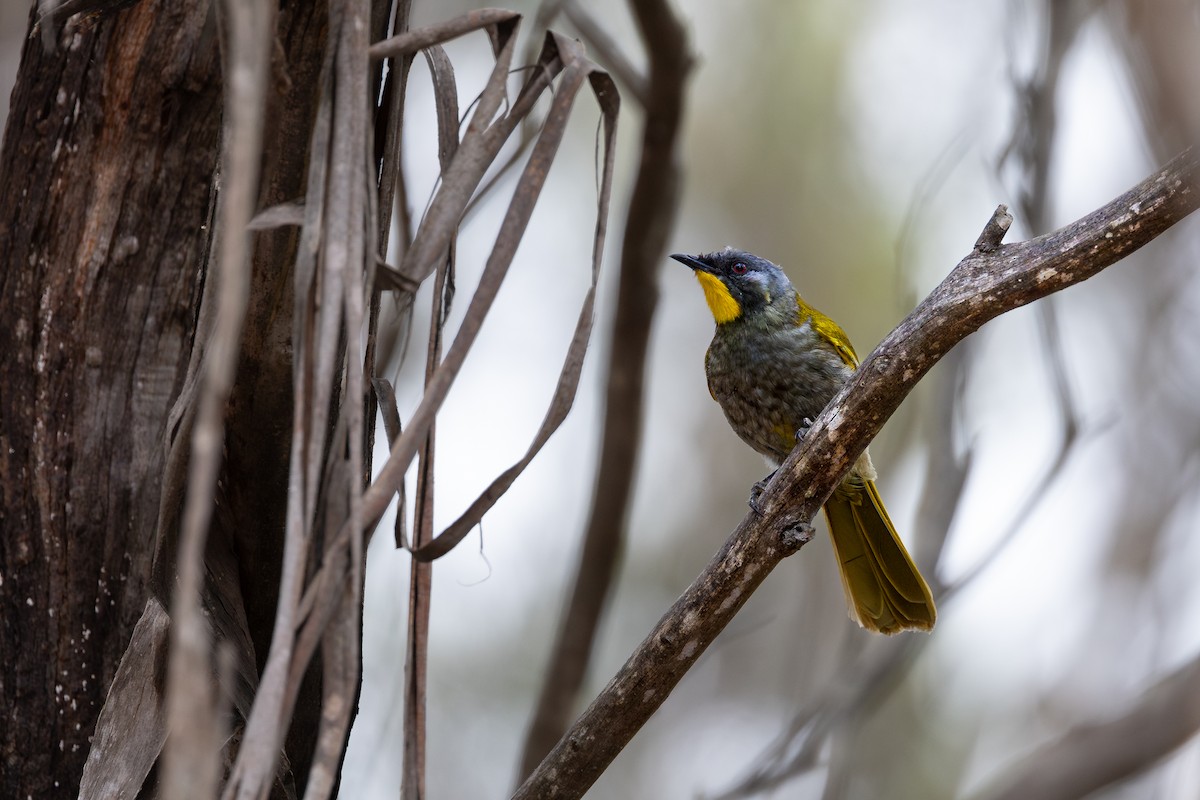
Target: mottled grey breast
[[768, 381]]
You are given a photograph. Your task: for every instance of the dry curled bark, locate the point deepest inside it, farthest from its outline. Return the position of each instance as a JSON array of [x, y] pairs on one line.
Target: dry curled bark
[[992, 279], [108, 218]]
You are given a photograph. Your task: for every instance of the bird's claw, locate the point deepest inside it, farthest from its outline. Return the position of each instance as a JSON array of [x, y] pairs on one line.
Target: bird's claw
[[805, 426], [756, 492]]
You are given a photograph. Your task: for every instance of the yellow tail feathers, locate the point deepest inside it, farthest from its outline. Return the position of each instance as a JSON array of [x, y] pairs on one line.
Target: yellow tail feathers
[[884, 590]]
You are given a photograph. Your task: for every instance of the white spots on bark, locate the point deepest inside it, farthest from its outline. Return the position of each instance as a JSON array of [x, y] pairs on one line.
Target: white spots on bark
[[732, 598]]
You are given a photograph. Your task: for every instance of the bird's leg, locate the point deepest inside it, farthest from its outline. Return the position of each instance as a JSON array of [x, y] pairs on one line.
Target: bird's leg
[[756, 492], [757, 489]]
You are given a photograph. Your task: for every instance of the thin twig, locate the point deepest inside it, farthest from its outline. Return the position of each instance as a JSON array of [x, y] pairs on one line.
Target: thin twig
[[412, 786], [1033, 145]]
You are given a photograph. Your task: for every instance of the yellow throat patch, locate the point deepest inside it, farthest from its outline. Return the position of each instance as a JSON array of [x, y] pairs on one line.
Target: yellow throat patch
[[720, 302]]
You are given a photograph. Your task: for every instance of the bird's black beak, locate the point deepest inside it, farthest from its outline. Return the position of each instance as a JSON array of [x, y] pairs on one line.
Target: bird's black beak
[[692, 261]]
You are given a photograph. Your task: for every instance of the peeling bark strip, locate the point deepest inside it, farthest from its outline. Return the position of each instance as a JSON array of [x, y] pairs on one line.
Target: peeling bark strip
[[326, 524], [993, 279], [105, 170], [106, 215], [132, 727]]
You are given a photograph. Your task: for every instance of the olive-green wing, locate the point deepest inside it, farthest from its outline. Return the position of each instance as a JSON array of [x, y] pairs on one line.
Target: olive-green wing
[[829, 330]]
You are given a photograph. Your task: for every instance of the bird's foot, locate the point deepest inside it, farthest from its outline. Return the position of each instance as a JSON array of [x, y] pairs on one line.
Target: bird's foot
[[756, 492], [805, 426], [796, 535]]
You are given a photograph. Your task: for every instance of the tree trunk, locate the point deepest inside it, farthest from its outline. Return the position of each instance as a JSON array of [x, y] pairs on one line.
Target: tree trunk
[[105, 171], [106, 186]]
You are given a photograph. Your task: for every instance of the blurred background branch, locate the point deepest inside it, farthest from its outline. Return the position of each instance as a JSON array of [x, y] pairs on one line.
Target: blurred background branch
[[1094, 755], [648, 224]]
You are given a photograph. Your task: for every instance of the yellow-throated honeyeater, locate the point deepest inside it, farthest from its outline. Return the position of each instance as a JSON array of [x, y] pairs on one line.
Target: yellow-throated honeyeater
[[775, 362]]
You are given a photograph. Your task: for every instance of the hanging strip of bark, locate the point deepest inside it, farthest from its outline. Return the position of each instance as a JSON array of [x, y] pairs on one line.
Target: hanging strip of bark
[[578, 71], [559, 55], [307, 609], [191, 764], [420, 588], [316, 330]]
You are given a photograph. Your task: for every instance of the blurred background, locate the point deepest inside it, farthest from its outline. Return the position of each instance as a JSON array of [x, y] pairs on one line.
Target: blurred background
[[1045, 474]]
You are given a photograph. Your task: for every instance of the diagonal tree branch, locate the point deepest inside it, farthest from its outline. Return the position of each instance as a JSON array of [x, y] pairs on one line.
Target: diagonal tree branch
[[992, 279]]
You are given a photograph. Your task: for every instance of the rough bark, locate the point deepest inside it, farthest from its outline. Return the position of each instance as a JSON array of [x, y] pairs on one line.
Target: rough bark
[[105, 178], [107, 171]]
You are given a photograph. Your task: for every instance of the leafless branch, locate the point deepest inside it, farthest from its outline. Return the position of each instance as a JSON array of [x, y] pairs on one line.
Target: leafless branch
[[867, 679], [993, 279], [1031, 144], [648, 223]]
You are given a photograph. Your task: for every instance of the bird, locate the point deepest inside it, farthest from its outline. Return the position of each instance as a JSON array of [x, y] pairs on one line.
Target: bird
[[773, 365]]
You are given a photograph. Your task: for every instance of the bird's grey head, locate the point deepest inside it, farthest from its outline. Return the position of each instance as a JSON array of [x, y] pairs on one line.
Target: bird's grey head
[[736, 283]]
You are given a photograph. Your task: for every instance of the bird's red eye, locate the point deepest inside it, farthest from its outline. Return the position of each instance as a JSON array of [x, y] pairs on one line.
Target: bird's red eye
[[738, 268]]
